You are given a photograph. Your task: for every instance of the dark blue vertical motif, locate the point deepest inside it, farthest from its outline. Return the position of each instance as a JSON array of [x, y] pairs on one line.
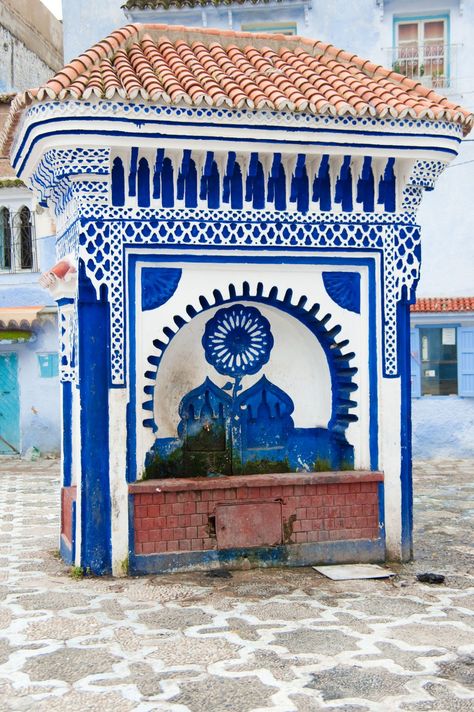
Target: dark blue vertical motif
[[365, 186], [143, 184], [404, 357], [118, 182], [132, 176], [167, 187]]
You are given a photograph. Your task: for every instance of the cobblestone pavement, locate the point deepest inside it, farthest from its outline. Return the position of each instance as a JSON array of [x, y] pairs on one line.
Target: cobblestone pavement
[[286, 640]]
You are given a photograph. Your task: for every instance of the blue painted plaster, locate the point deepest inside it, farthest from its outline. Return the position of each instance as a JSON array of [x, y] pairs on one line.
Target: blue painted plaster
[[443, 427], [344, 289], [93, 317], [40, 418], [158, 285]]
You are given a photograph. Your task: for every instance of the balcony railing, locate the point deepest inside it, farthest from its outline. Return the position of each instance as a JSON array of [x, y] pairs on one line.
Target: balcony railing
[[433, 64]]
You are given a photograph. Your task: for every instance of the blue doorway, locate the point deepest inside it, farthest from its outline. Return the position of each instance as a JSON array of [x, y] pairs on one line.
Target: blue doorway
[[9, 405]]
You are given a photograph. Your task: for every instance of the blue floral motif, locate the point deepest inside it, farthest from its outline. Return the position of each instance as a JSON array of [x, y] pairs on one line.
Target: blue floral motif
[[237, 341]]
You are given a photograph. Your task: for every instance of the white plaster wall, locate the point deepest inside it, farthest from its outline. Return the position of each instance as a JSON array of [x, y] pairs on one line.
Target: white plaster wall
[[389, 461], [118, 485], [76, 466], [20, 68]]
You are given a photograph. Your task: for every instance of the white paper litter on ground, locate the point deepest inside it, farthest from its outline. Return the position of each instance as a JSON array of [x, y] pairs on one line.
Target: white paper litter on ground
[[344, 572]]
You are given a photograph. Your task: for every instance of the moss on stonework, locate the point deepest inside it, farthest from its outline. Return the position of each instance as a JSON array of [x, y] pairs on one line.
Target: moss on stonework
[[322, 465], [11, 183], [262, 467], [185, 463]]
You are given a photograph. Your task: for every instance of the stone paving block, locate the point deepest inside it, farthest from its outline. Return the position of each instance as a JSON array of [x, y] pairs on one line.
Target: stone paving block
[[268, 639]]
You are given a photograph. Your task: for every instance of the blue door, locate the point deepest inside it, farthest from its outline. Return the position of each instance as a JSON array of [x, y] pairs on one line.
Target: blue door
[[9, 405]]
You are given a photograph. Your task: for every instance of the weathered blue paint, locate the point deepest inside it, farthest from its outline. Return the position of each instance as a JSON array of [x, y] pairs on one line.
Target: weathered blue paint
[[93, 325], [65, 552], [9, 404], [381, 503], [334, 552], [404, 357], [66, 389]]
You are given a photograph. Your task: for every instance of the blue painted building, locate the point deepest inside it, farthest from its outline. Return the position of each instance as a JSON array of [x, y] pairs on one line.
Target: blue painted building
[[29, 380], [428, 40], [239, 248]]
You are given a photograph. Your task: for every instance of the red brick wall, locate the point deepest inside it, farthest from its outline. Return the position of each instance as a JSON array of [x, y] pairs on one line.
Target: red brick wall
[[68, 496], [173, 515]]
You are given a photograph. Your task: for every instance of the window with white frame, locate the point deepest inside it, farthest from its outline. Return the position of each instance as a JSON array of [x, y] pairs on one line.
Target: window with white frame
[[422, 51], [48, 365], [17, 239], [442, 360]]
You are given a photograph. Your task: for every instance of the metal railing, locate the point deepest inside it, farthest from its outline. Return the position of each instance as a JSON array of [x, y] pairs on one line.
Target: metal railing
[[17, 241], [432, 64]]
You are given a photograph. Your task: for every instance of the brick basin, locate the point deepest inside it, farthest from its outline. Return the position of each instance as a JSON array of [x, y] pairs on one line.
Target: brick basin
[[176, 515]]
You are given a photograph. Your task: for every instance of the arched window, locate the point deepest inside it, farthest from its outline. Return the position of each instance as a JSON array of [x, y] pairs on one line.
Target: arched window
[[5, 239], [24, 238]]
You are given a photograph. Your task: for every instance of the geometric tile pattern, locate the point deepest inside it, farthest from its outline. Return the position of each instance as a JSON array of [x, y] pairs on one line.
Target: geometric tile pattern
[[105, 230], [398, 245]]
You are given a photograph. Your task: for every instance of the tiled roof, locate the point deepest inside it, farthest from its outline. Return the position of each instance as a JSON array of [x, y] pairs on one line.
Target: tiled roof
[[166, 4], [194, 66], [443, 304]]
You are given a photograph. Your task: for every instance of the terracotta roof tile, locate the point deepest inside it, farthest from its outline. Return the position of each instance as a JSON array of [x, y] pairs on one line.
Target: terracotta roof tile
[[443, 304], [239, 69], [173, 4]]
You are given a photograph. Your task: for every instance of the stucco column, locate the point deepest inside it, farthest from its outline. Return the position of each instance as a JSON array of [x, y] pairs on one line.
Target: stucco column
[[93, 318]]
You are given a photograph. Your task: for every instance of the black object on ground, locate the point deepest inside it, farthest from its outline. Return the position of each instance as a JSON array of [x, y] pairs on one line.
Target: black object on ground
[[219, 573], [430, 578]]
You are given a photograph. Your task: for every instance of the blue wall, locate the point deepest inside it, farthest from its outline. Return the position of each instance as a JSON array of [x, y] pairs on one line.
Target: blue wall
[[40, 423], [443, 427], [359, 31], [39, 397]]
